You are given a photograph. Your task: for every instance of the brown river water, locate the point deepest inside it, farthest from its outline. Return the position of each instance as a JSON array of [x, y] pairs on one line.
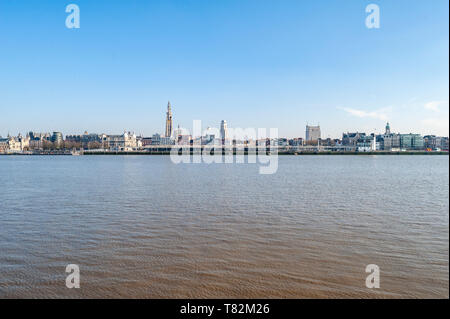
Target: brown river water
[[143, 227]]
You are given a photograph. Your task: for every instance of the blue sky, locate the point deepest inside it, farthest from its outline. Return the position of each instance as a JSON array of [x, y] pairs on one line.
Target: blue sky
[[255, 63]]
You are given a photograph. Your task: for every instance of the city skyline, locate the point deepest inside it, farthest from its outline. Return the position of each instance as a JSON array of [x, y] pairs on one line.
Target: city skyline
[[255, 64], [312, 132]]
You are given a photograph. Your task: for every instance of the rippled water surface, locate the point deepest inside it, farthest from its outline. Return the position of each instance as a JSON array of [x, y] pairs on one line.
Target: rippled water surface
[[141, 226]]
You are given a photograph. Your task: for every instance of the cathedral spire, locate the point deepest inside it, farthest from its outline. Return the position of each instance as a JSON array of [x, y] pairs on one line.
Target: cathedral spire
[[169, 123]]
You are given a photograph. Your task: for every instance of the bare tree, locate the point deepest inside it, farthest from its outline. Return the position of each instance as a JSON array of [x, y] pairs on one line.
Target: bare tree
[[47, 145], [94, 145]]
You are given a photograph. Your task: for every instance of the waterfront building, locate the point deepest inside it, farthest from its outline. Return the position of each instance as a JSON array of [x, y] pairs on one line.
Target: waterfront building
[[351, 139], [156, 139], [115, 142], [24, 142], [73, 138], [87, 138], [389, 141], [312, 133], [13, 144], [386, 142], [327, 142], [169, 121], [184, 139], [125, 142], [365, 144], [166, 141], [37, 140], [297, 141], [444, 143], [411, 142], [436, 143], [431, 142], [39, 136], [57, 138], [374, 146], [146, 141], [139, 143], [282, 141], [3, 145]]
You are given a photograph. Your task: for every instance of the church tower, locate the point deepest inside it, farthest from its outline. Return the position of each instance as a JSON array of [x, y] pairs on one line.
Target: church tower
[[169, 121], [388, 129]]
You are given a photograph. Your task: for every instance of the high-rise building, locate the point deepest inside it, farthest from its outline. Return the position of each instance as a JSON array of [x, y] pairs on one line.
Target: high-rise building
[[312, 133], [223, 130], [169, 123]]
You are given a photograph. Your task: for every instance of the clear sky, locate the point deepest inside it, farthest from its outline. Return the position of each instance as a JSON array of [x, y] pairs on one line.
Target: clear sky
[[255, 63]]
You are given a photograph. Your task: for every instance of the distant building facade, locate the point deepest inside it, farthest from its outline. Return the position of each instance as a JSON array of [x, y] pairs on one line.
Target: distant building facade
[[351, 139], [146, 141], [297, 141], [312, 133], [389, 141], [166, 141], [37, 140], [367, 143], [156, 139], [435, 143], [125, 142], [13, 144], [86, 141], [57, 138], [4, 145], [411, 142], [224, 131]]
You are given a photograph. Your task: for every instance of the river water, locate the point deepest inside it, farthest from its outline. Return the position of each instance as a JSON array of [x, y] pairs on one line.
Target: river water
[[144, 227]]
